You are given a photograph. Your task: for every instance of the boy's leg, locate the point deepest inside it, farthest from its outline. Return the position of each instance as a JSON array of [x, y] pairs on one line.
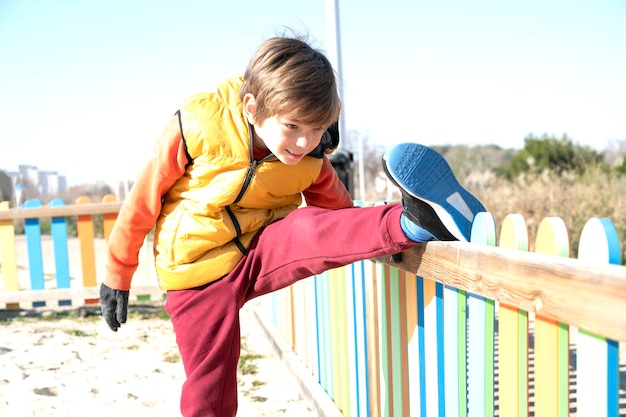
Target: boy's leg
[[312, 240], [307, 242], [206, 323]]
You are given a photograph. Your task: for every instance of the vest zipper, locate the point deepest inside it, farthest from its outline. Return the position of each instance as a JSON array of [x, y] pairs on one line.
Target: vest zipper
[[249, 175], [247, 180], [244, 187]]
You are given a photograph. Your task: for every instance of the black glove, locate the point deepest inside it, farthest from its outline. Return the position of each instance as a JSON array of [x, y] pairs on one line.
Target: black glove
[[114, 305]]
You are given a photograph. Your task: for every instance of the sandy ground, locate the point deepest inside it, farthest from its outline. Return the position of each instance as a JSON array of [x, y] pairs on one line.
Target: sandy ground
[[74, 365]]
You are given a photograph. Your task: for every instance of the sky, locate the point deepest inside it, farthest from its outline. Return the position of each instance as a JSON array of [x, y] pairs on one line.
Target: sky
[[86, 86]]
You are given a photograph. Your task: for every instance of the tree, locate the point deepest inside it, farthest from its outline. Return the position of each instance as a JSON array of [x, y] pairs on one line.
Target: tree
[[550, 154]]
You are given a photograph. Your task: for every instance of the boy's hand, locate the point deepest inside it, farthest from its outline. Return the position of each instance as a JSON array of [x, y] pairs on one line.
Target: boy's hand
[[114, 305]]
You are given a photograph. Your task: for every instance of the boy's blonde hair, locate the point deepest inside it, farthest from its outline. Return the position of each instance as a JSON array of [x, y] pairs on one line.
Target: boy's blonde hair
[[289, 77]]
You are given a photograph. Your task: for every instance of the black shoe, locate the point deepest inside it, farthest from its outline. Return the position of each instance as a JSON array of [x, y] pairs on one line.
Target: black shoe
[[431, 196]]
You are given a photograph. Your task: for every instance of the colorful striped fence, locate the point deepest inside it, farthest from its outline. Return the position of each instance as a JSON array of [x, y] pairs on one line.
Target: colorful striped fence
[[480, 328], [38, 269], [469, 329]]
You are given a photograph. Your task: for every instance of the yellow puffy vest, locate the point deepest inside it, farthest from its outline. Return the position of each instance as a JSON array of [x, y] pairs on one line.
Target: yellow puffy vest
[[212, 212]]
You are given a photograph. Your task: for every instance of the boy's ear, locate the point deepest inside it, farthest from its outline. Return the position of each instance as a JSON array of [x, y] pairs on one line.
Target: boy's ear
[[249, 106]]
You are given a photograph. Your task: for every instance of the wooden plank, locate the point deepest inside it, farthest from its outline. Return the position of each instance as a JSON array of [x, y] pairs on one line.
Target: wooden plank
[[359, 377], [333, 331], [373, 335], [403, 343], [430, 303], [535, 282], [597, 358], [480, 333], [513, 333], [52, 294], [324, 335], [299, 322], [289, 326], [414, 364], [551, 337], [32, 230], [58, 229], [8, 256], [421, 351], [311, 317], [478, 348], [397, 326], [361, 404], [373, 331], [87, 209], [341, 341], [454, 346], [462, 319], [382, 282], [84, 228], [441, 394], [352, 355], [476, 355]]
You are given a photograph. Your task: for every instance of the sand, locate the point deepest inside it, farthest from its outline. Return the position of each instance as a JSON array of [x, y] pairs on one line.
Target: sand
[[73, 365]]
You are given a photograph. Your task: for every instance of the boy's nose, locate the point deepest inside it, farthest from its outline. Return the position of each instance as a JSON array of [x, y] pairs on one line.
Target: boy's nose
[[303, 141]]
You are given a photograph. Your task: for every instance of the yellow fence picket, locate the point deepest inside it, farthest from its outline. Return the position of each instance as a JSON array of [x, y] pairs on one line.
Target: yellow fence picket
[[8, 256], [513, 332], [551, 337]]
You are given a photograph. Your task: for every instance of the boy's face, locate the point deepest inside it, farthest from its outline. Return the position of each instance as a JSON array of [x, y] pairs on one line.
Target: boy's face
[[287, 138]]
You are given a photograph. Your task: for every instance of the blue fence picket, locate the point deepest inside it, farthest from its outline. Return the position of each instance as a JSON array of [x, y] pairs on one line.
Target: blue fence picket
[[61, 257], [32, 230], [358, 340]]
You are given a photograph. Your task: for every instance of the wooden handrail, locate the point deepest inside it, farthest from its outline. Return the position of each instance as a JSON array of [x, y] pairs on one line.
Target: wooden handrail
[[56, 294], [591, 297], [70, 210]]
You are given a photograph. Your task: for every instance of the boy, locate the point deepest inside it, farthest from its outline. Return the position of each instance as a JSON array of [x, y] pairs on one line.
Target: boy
[[224, 189]]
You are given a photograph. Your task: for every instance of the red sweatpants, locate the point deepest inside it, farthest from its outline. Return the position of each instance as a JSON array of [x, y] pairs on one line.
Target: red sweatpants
[[307, 242]]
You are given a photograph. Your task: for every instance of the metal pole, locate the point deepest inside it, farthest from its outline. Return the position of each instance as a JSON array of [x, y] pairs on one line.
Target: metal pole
[[361, 167], [334, 54]]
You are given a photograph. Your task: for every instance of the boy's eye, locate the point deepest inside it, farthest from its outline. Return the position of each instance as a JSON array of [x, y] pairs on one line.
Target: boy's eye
[[290, 126]]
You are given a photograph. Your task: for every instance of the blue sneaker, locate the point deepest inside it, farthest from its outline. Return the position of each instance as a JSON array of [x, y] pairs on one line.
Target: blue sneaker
[[432, 198]]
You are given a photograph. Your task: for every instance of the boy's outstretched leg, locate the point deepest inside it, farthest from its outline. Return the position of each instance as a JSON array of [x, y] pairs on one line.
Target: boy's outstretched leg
[[434, 202]]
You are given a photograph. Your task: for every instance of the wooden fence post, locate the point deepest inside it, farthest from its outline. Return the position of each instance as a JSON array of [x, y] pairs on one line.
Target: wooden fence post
[[551, 337], [9, 256], [61, 257], [513, 333], [84, 228], [597, 358], [32, 229]]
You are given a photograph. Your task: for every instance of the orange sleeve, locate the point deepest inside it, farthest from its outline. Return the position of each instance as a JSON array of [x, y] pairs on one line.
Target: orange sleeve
[[142, 206], [328, 191]]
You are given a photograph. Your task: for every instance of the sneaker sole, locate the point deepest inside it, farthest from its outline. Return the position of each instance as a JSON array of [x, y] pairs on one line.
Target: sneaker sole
[[425, 175]]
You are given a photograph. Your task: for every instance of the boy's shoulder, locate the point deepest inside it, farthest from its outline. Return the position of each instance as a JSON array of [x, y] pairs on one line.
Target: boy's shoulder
[[226, 94]]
